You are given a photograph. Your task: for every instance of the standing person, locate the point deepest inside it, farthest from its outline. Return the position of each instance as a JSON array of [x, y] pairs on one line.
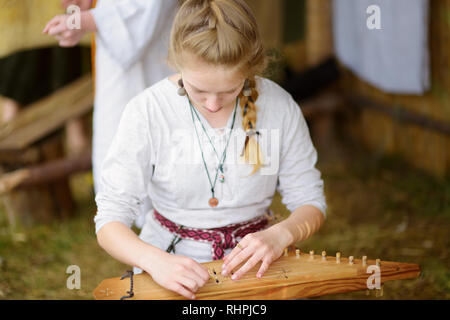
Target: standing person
[[32, 66], [193, 142], [131, 46]]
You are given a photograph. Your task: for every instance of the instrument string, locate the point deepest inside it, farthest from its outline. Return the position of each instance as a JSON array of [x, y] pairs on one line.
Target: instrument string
[[273, 273], [291, 267]]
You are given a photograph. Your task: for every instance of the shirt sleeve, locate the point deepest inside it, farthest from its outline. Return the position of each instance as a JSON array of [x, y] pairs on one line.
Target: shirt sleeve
[[128, 162], [300, 182], [126, 27]]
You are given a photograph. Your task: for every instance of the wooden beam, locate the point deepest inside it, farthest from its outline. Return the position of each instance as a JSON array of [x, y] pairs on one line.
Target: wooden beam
[[324, 104], [400, 114], [44, 173], [47, 115]]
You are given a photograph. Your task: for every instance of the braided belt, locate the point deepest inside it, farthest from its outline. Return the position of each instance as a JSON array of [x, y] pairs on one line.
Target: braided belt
[[221, 238]]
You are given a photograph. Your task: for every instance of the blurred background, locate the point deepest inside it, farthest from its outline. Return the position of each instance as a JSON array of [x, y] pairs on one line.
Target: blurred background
[[375, 93]]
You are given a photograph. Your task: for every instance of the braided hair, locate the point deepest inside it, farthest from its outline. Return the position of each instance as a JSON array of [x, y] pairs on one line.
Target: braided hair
[[224, 33]]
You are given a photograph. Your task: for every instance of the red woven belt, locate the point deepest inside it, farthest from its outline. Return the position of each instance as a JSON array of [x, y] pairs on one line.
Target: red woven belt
[[221, 238]]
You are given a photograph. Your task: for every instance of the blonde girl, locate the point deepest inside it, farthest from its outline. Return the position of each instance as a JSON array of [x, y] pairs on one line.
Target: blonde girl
[[209, 145]]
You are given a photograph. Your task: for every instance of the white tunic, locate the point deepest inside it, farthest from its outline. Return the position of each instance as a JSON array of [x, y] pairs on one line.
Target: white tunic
[[156, 153], [131, 47]]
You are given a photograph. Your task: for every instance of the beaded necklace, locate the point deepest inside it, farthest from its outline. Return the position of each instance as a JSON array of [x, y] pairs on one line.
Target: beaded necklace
[[213, 202]]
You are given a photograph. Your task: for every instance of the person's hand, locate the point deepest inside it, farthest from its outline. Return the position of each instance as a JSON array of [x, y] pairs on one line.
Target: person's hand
[[83, 4], [58, 28], [177, 273], [265, 246]]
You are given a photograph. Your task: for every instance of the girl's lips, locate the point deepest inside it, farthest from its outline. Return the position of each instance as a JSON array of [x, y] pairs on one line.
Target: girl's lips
[[213, 111]]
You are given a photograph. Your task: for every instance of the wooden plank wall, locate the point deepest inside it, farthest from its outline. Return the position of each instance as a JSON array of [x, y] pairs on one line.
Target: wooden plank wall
[[423, 148]]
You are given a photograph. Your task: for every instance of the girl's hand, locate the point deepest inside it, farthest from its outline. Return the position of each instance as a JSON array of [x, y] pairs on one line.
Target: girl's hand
[[265, 246], [178, 273], [59, 28]]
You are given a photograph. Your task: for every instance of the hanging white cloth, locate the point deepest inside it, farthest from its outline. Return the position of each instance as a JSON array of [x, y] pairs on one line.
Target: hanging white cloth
[[394, 58], [131, 47]]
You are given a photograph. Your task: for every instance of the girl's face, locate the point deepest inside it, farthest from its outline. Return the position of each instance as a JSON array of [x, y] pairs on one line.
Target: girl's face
[[211, 88]]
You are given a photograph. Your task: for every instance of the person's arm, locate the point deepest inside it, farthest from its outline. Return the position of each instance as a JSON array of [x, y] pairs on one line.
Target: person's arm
[[176, 273], [301, 224], [124, 180], [124, 245], [301, 189]]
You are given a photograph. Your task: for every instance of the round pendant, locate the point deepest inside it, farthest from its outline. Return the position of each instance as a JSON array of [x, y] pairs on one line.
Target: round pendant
[[213, 202]]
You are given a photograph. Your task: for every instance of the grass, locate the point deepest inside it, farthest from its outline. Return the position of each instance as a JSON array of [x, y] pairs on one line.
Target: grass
[[377, 206]]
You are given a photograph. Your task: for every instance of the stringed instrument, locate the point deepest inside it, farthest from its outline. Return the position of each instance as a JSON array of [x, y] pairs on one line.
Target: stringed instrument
[[294, 275]]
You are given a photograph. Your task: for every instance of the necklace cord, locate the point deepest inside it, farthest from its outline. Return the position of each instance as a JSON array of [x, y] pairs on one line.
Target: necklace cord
[[201, 149]]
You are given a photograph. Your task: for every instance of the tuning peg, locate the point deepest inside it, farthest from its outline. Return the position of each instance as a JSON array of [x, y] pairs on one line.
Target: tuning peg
[[364, 260], [338, 257], [351, 260], [311, 255], [324, 255], [297, 253], [379, 292]]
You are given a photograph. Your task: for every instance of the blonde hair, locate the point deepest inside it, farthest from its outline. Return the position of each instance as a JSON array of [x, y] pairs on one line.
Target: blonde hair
[[225, 33]]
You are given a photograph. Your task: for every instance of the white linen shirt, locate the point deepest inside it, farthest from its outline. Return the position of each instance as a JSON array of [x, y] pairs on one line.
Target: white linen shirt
[[156, 153]]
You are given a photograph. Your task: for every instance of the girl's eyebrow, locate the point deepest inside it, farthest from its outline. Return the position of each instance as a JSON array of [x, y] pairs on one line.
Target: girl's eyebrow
[[232, 90]]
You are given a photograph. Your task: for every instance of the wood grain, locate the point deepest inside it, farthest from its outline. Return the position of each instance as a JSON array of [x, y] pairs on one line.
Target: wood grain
[[287, 278]]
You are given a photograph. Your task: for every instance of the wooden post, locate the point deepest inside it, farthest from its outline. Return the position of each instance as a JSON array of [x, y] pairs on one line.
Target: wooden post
[[319, 40], [63, 202], [40, 203]]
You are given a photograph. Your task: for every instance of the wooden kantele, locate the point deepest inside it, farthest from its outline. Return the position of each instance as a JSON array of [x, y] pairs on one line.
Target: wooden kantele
[[297, 275]]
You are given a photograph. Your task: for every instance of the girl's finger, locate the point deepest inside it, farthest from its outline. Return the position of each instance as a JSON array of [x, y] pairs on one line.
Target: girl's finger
[[193, 273], [264, 266], [201, 272], [181, 290], [50, 24], [199, 282], [65, 43], [247, 266], [237, 260], [59, 28], [236, 250], [67, 34], [187, 282]]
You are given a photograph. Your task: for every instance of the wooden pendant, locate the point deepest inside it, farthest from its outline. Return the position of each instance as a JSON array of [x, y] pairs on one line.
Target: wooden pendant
[[213, 202]]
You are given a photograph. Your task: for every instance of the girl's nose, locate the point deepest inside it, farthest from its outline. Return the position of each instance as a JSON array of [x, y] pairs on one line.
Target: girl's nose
[[213, 104]]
